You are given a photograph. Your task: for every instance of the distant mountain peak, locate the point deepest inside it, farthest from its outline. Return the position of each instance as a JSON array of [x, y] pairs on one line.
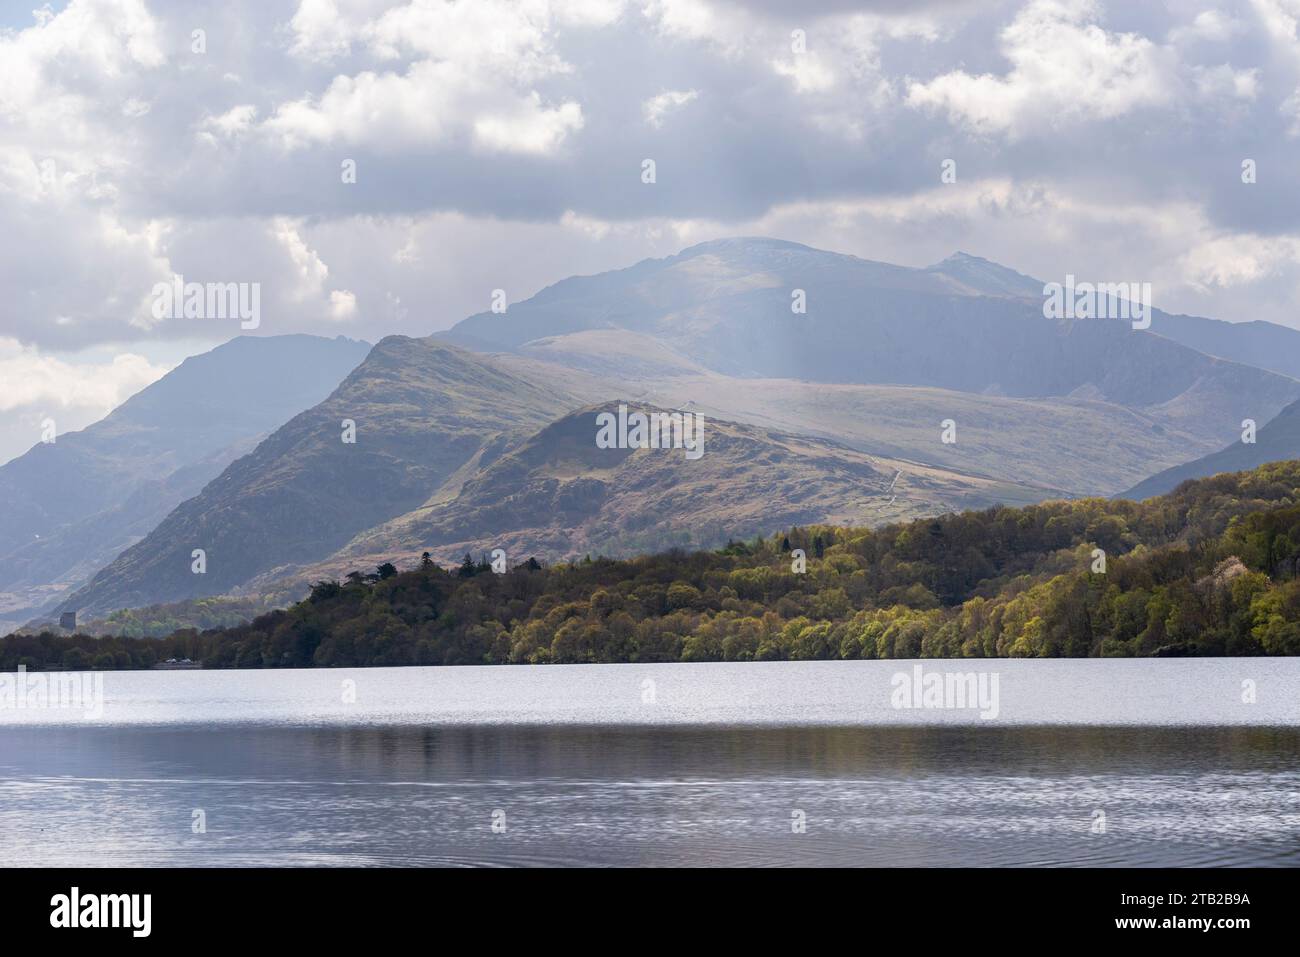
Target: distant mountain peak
[[743, 242], [986, 277]]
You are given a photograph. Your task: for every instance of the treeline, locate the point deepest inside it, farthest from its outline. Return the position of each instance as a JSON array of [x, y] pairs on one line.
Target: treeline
[[158, 621], [1210, 569]]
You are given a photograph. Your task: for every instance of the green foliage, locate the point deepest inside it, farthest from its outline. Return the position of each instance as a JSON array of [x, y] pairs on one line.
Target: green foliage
[[1210, 569], [159, 621]]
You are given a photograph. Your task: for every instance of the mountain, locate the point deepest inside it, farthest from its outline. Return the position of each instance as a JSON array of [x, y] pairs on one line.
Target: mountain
[[1274, 442], [73, 504], [422, 411], [727, 306], [1075, 444], [451, 444], [558, 496], [1264, 345], [978, 276]]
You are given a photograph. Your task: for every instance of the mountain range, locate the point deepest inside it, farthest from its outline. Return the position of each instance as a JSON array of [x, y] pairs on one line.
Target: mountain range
[[77, 502], [1275, 441], [900, 392]]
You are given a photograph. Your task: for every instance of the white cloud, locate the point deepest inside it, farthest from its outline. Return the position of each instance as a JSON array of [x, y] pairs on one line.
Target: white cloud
[[587, 13], [51, 72], [319, 31], [343, 305], [33, 379], [73, 86], [808, 72], [234, 122], [1064, 68], [1223, 82], [527, 127], [842, 54], [657, 107], [471, 75], [1212, 26], [1280, 19], [686, 19], [386, 110], [1239, 259], [308, 271], [71, 392]]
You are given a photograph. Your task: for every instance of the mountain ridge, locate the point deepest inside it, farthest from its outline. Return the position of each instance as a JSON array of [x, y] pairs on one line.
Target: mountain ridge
[[76, 503], [1277, 440], [1077, 407], [305, 487]]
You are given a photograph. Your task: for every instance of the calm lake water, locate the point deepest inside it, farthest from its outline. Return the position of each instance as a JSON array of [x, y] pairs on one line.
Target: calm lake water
[[1148, 762]]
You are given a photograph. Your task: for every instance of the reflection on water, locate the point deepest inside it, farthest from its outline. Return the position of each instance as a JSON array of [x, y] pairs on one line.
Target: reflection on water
[[943, 795]]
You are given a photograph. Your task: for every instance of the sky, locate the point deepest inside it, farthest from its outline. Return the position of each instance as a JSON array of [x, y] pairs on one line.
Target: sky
[[501, 145]]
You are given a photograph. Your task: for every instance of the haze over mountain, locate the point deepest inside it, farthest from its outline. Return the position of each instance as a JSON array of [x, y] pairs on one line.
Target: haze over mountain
[[1077, 445], [1264, 345], [453, 449], [75, 503], [422, 410], [727, 305], [1275, 441], [885, 352]]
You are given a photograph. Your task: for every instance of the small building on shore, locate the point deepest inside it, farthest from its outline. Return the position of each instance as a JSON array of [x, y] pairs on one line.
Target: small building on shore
[[175, 664]]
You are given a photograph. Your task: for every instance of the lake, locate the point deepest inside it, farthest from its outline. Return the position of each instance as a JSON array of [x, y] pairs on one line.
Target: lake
[[1098, 763]]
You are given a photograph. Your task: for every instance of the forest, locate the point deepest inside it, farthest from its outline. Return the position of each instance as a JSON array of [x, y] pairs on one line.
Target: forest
[[1210, 569]]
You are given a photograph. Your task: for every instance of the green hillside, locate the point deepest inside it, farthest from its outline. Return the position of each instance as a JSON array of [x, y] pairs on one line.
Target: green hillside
[[1210, 569]]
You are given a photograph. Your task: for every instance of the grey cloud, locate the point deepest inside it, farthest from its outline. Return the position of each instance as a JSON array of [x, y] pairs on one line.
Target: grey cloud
[[748, 144]]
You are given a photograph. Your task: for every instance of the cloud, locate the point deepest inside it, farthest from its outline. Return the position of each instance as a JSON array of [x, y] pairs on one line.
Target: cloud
[[1280, 18], [498, 145], [691, 20], [470, 76], [310, 272], [70, 392], [1213, 26], [1228, 261], [1223, 82], [807, 71], [527, 127], [657, 108], [343, 305], [234, 122], [1064, 69], [319, 31], [34, 379]]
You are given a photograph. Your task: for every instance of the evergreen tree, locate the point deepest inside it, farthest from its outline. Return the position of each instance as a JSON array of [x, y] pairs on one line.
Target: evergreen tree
[[467, 569]]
